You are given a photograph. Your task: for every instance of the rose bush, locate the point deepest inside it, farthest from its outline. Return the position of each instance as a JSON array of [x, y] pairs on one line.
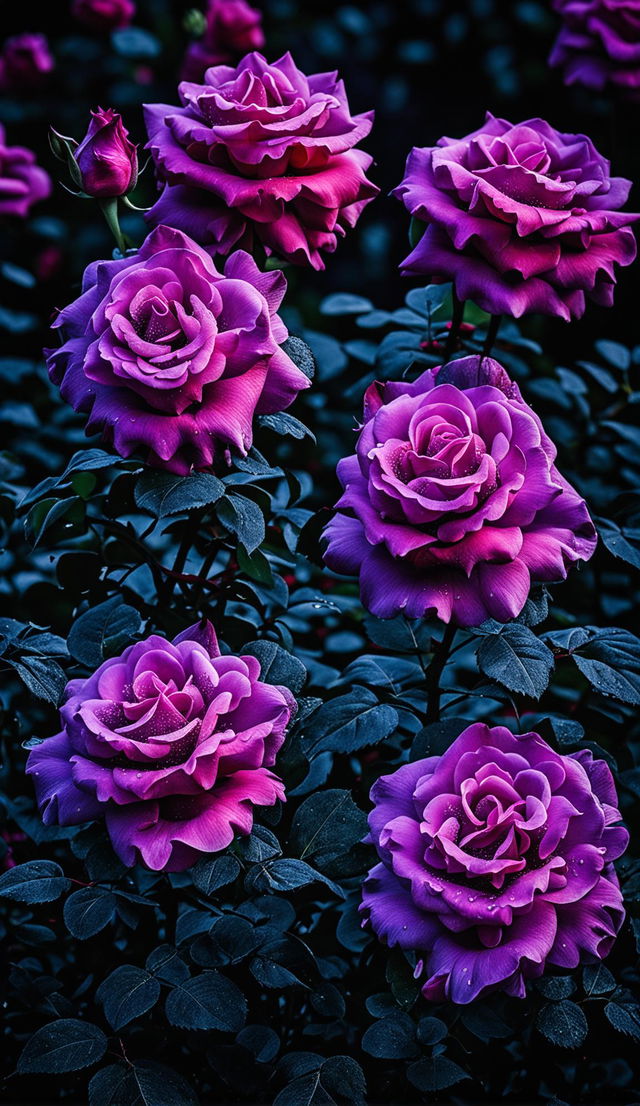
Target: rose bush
[[496, 862], [22, 182], [171, 743], [106, 158], [171, 357], [453, 504], [261, 152], [232, 28], [599, 44], [520, 217]]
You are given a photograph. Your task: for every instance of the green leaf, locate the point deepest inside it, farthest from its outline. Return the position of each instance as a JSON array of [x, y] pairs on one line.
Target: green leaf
[[65, 1045], [516, 659], [34, 881], [88, 911], [103, 629], [563, 1023], [208, 1001], [349, 723], [162, 494], [127, 993]]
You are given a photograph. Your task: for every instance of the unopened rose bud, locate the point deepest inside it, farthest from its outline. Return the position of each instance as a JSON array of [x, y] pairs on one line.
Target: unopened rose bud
[[106, 158]]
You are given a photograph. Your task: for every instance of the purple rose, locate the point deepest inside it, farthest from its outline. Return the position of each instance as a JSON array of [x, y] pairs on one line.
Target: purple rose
[[261, 151], [496, 862], [233, 28], [106, 157], [104, 15], [22, 182], [171, 743], [453, 504], [521, 218], [171, 357], [25, 62], [599, 44]]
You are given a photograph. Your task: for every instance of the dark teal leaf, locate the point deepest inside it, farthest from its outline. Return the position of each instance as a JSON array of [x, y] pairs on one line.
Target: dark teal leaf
[[162, 494], [127, 993], [349, 723], [563, 1023], [89, 910], [392, 1038], [103, 629], [208, 1001], [34, 881], [65, 1045], [326, 825], [435, 1074], [277, 666], [516, 659]]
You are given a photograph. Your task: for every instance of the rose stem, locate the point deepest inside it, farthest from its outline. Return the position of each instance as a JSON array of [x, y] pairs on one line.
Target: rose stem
[[434, 672], [456, 321], [492, 334], [110, 211]]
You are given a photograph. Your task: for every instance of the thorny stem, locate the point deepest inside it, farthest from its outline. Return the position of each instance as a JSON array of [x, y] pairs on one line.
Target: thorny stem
[[434, 672]]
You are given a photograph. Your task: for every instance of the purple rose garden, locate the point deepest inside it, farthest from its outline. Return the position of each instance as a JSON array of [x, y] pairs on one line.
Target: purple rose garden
[[320, 498]]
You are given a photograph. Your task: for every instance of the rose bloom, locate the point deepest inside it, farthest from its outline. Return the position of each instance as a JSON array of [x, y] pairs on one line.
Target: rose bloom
[[171, 743], [599, 44], [25, 62], [496, 862], [233, 28], [521, 218], [104, 15], [106, 157], [173, 358], [453, 504], [22, 182], [261, 152]]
